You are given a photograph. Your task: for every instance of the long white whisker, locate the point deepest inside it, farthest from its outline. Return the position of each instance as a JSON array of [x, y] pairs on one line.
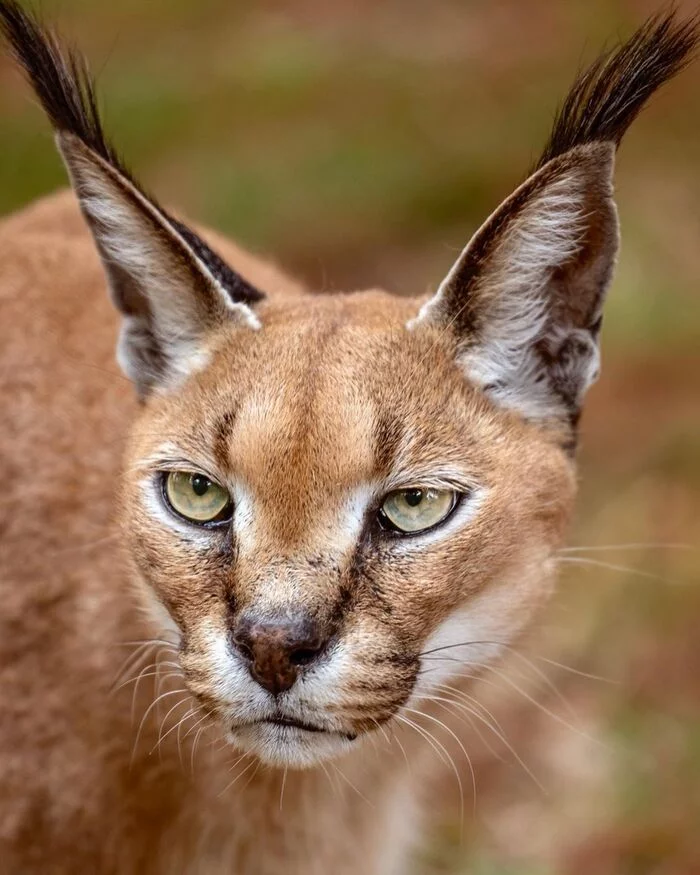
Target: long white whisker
[[473, 703], [351, 785], [464, 713], [240, 775], [500, 733], [149, 674], [462, 748], [576, 671], [194, 744], [161, 738], [284, 781], [633, 546], [133, 659], [556, 717], [334, 788], [610, 566], [437, 746], [153, 704]]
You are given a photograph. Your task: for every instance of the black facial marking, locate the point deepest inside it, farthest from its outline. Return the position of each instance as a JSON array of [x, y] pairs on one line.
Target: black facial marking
[[222, 437], [388, 435]]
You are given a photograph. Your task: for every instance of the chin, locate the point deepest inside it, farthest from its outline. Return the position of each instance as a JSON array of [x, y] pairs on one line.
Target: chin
[[290, 746]]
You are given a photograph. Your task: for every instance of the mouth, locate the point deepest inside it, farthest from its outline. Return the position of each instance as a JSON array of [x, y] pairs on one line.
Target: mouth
[[288, 722], [280, 740]]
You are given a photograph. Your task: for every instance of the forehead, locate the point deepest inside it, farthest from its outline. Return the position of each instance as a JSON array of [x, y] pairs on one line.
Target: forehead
[[334, 386], [331, 395]]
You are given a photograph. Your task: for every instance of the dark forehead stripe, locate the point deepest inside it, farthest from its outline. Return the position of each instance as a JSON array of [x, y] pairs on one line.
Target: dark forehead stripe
[[223, 429], [389, 432]]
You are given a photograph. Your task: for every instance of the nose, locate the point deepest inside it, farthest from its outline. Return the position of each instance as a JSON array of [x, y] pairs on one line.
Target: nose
[[276, 649]]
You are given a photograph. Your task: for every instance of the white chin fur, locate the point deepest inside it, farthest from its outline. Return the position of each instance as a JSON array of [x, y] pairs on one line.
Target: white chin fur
[[289, 747]]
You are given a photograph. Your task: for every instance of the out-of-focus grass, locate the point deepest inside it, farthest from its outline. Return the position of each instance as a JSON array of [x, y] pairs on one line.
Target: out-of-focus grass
[[360, 144]]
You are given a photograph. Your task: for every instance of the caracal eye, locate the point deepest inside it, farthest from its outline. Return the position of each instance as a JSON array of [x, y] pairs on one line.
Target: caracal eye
[[197, 498], [414, 510]]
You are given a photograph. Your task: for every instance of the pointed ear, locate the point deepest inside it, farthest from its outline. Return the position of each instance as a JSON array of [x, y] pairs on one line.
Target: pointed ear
[[525, 296], [169, 297], [170, 287]]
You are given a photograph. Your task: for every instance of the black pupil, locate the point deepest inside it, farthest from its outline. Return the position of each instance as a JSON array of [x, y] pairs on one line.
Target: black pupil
[[413, 497], [200, 484]]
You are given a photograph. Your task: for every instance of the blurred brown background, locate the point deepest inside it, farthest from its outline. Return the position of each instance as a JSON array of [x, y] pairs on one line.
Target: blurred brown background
[[360, 143]]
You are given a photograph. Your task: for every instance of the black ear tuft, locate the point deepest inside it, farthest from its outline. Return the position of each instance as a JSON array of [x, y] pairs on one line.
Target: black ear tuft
[[61, 79], [607, 97]]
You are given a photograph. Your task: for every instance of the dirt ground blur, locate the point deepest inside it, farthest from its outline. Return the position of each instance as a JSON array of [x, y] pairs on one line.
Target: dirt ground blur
[[360, 144]]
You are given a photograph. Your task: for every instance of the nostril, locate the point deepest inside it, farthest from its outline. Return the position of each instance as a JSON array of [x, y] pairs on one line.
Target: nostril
[[304, 655], [277, 650], [244, 646]]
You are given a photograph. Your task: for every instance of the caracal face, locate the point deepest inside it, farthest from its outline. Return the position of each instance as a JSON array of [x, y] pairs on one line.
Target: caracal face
[[309, 423], [335, 503]]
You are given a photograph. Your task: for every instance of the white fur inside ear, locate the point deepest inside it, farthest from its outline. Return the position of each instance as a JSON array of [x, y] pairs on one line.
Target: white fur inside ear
[[526, 350], [545, 237], [124, 223], [127, 244]]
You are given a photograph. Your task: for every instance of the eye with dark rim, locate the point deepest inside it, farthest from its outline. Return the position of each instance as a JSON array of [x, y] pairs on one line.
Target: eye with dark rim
[[195, 498], [413, 511]]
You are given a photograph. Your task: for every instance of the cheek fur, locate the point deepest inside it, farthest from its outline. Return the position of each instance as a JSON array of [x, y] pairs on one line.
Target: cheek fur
[[479, 631]]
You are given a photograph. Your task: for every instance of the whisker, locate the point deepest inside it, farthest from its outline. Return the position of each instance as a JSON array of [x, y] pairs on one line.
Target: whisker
[[465, 714], [396, 738], [134, 692], [334, 788], [576, 671], [462, 748], [503, 738], [162, 641], [475, 707], [240, 775], [133, 659], [284, 781], [437, 746], [632, 546], [194, 744], [153, 704], [149, 674], [161, 738], [85, 545], [596, 563], [545, 710], [351, 785]]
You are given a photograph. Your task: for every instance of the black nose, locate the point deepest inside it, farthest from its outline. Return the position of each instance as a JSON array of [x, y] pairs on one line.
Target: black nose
[[277, 648]]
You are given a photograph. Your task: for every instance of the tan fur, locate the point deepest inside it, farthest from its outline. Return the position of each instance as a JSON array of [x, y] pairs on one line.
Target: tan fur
[[301, 439], [142, 731]]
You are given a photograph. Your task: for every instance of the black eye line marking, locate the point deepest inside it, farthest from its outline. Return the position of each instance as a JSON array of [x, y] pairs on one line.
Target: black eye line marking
[[220, 521], [388, 529]]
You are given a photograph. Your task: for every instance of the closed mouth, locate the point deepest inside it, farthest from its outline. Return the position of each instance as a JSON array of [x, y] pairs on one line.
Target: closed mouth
[[294, 724], [290, 723]]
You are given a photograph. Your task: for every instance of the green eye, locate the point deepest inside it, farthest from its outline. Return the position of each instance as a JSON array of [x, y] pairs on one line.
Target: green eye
[[414, 510], [196, 497]]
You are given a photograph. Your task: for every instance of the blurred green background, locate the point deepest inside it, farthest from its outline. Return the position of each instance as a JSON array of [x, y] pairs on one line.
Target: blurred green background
[[360, 143]]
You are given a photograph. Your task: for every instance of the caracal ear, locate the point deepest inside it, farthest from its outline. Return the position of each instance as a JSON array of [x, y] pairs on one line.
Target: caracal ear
[[525, 298], [170, 287]]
